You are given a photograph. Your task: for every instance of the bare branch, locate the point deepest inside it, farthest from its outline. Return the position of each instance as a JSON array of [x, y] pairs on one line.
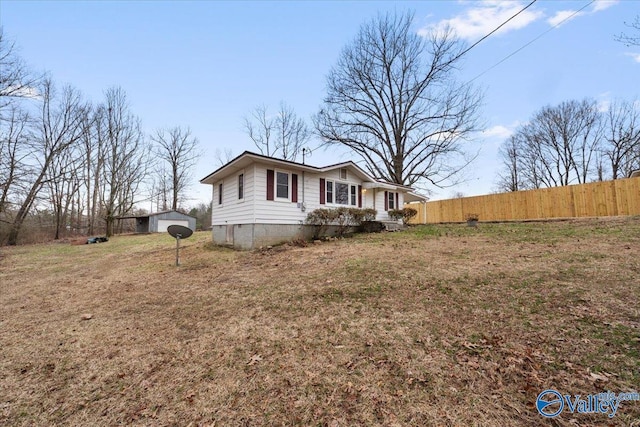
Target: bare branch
[[392, 99], [179, 152]]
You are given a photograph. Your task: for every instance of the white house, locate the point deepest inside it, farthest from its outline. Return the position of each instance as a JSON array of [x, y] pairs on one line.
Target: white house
[[260, 200]]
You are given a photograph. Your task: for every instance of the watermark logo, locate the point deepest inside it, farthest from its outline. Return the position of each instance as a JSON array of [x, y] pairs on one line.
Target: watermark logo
[[550, 403]]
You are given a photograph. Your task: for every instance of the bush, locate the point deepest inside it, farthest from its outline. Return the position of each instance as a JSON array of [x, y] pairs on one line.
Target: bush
[[320, 219], [395, 214], [408, 214], [343, 217], [404, 214]]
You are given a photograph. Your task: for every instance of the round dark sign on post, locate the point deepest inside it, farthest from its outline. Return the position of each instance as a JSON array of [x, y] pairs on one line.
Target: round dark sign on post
[[179, 232]]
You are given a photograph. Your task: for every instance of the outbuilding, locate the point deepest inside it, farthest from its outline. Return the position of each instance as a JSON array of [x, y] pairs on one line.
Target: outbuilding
[[159, 221]]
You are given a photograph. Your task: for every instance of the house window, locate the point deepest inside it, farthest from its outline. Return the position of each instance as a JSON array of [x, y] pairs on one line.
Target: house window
[[342, 193], [391, 197], [241, 186], [282, 185], [220, 193]]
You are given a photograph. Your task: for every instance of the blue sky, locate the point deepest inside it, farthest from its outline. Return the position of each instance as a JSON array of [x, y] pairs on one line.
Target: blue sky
[[207, 64]]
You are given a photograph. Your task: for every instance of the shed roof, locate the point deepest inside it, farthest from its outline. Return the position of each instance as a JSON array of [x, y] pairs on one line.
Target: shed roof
[[154, 214]]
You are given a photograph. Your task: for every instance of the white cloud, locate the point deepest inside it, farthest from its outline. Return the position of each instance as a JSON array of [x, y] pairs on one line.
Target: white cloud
[[604, 102], [481, 20], [498, 131], [635, 56], [562, 15], [599, 5]]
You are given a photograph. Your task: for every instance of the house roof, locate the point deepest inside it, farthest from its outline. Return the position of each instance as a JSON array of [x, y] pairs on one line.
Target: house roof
[[248, 157], [245, 159]]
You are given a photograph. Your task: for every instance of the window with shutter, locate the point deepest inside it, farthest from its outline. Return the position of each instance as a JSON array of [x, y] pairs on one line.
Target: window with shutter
[[282, 185], [391, 200]]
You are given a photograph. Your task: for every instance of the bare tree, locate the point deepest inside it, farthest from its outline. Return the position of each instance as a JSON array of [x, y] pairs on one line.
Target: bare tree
[[63, 183], [16, 81], [178, 149], [14, 136], [393, 100], [93, 149], [631, 39], [558, 146], [292, 133], [125, 158], [510, 179], [283, 135], [260, 128], [160, 187], [223, 156], [59, 130], [621, 145]]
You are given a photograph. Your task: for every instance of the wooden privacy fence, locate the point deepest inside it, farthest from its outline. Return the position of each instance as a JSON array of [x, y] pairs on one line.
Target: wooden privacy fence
[[608, 198]]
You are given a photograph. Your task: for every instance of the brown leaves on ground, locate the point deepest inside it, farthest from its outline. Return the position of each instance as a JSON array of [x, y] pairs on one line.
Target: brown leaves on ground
[[437, 325]]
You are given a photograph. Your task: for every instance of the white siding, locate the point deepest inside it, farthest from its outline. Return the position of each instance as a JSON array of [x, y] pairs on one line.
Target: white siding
[[234, 210], [379, 204], [312, 189], [276, 211], [256, 209]]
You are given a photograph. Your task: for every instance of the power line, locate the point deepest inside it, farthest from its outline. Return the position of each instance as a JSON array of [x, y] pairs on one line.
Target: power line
[[530, 42], [496, 29]]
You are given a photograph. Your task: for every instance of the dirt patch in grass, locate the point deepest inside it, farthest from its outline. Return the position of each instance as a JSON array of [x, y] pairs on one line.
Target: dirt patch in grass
[[437, 325]]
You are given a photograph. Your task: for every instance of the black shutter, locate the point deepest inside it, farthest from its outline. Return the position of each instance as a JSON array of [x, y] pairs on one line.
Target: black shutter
[[359, 196], [294, 188], [386, 200], [322, 195], [270, 176]]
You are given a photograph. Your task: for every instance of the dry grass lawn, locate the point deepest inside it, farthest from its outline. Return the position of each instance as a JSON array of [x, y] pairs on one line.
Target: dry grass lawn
[[437, 325]]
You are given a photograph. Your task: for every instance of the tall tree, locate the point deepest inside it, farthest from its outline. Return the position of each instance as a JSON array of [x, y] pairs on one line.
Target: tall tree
[[393, 100], [59, 129], [558, 146], [93, 149], [14, 137], [125, 158], [510, 179], [178, 150], [63, 183], [621, 146], [292, 132], [283, 135], [16, 80], [260, 128]]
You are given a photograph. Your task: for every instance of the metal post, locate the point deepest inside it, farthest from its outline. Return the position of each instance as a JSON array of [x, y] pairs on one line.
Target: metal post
[[177, 250]]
